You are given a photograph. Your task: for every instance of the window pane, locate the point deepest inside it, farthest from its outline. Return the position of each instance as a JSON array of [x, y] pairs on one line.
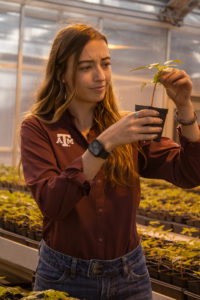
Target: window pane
[[9, 33], [186, 46], [31, 81], [6, 158], [38, 35], [7, 105], [71, 17], [133, 5], [133, 46], [41, 26], [9, 37]]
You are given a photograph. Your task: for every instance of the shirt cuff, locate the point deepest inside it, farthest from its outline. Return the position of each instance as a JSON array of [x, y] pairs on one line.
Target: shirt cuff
[[74, 172]]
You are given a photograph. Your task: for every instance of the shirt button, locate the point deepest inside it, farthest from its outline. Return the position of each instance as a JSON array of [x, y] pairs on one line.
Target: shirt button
[[100, 240], [100, 210]]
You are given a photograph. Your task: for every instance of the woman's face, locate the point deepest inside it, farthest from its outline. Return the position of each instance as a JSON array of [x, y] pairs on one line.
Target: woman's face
[[93, 73]]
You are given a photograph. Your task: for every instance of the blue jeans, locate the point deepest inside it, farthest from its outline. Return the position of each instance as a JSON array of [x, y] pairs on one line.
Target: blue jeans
[[123, 278]]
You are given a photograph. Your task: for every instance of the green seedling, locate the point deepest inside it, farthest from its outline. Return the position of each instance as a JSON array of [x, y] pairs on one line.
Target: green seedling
[[189, 231], [156, 78]]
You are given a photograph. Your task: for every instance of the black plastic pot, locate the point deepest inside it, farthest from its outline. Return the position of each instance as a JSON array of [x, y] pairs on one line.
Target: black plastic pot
[[12, 227], [152, 215], [170, 218], [190, 222], [31, 235], [38, 235], [6, 225], [165, 275], [194, 286], [162, 115], [178, 281], [177, 228], [197, 222], [182, 219], [153, 269], [173, 291], [20, 230], [162, 215], [191, 296]]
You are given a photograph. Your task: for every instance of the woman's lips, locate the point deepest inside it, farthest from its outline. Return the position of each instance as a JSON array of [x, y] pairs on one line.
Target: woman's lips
[[99, 89]]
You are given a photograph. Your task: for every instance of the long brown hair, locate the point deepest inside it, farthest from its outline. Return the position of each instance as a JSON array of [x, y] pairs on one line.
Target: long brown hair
[[53, 98]]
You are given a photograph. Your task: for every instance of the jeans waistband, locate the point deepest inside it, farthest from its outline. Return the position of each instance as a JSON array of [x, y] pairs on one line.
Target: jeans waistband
[[92, 267]]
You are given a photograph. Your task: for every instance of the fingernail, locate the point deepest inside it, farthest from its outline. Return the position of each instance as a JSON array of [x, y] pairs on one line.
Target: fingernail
[[156, 112]]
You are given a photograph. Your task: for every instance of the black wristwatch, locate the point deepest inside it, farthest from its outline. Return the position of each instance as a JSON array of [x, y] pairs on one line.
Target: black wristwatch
[[98, 150]]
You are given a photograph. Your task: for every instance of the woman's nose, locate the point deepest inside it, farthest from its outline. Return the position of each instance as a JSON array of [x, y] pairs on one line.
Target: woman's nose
[[99, 74]]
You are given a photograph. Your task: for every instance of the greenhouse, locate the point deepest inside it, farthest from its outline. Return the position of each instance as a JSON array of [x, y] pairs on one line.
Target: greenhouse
[[146, 39]]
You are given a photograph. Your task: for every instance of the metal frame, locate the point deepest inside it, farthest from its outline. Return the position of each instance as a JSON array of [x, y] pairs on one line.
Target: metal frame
[[176, 10], [106, 11], [18, 85]]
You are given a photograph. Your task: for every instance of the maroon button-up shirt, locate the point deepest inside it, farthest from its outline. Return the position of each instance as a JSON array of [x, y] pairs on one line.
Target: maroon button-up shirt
[[92, 219]]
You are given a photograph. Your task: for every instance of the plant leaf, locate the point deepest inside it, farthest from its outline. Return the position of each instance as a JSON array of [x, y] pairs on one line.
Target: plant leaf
[[155, 65], [166, 66], [139, 68], [173, 60], [154, 223], [151, 66]]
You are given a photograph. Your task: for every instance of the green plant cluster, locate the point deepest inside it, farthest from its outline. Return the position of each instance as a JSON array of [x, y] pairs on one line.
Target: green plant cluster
[[13, 293], [159, 196], [177, 256], [21, 210], [9, 177]]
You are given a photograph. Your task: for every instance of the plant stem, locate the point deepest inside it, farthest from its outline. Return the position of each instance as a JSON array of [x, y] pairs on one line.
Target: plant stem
[[153, 94]]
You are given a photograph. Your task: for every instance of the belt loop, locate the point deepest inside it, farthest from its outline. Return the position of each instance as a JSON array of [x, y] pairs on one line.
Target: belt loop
[[125, 266], [73, 267], [89, 267]]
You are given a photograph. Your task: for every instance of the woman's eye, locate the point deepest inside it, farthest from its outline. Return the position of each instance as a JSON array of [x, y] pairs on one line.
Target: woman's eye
[[86, 68], [106, 65]]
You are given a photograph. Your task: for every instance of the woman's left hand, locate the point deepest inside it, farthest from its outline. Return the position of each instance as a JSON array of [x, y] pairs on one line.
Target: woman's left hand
[[178, 86]]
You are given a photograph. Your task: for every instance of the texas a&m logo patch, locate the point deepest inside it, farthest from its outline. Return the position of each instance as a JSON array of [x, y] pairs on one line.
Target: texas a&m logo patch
[[64, 139]]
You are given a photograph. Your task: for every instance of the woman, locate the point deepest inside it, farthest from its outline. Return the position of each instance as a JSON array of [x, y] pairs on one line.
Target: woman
[[81, 159]]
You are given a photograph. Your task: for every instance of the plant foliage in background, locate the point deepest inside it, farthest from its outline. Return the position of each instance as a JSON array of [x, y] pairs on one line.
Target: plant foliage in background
[[20, 209], [160, 196], [9, 177], [8, 293]]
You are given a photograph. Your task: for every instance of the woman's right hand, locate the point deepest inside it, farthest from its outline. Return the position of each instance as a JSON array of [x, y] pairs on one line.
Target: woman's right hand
[[131, 129]]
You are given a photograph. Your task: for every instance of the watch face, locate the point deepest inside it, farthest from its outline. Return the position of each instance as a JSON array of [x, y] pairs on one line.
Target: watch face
[[96, 148]]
